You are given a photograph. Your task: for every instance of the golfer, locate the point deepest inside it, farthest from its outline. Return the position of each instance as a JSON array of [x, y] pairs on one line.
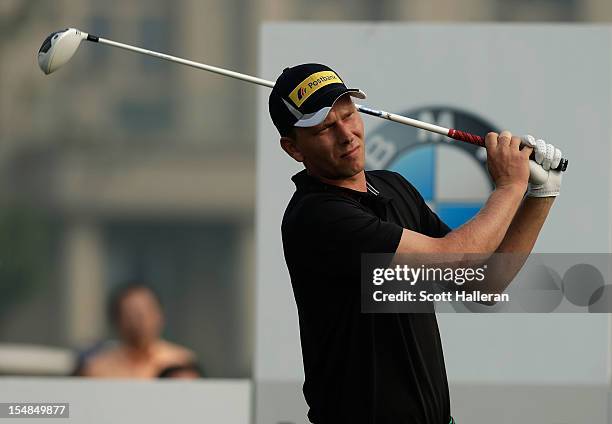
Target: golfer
[[381, 368]]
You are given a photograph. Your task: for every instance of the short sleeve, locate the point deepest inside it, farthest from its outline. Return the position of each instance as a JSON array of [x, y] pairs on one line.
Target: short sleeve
[[433, 226], [343, 224], [430, 224]]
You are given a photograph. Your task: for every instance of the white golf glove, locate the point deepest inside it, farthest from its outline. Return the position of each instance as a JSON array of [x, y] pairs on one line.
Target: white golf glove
[[543, 181]]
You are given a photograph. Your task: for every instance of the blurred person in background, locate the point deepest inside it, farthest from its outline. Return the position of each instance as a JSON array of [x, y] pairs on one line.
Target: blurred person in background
[[136, 314]]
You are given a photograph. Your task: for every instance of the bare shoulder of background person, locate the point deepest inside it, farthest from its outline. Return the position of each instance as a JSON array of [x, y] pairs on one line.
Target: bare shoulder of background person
[[103, 364], [172, 353]]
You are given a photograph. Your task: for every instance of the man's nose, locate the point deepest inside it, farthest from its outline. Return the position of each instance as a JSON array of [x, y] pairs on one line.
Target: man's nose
[[344, 131]]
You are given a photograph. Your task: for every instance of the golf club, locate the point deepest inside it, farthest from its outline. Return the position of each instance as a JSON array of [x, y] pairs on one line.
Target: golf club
[[60, 46]]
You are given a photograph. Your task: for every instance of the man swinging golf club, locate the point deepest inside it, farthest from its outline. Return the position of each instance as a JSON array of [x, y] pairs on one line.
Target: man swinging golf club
[[381, 368]]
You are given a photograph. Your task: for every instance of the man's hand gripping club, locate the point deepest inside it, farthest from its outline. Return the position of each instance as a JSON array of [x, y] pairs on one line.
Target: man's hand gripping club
[[543, 181]]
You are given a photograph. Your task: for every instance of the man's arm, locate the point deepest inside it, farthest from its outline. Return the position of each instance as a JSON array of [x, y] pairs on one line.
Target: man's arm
[[544, 186], [516, 245], [517, 230], [526, 225], [482, 234], [509, 168]]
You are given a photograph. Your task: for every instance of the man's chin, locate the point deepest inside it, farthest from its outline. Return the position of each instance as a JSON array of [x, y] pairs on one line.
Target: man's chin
[[341, 173], [344, 175], [354, 171], [139, 342]]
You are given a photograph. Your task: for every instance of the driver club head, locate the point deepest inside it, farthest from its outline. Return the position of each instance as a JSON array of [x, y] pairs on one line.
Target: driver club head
[[58, 48]]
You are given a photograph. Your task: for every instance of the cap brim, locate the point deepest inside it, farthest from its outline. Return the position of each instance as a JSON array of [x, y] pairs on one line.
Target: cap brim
[[313, 119]]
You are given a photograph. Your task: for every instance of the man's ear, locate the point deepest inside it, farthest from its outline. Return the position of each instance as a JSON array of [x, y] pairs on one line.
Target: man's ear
[[289, 146]]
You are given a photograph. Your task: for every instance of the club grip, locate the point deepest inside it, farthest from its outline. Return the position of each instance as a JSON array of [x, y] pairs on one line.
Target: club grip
[[479, 141]]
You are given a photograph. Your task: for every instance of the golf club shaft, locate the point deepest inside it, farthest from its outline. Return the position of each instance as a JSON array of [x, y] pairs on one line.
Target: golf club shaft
[[267, 83], [450, 132], [214, 69]]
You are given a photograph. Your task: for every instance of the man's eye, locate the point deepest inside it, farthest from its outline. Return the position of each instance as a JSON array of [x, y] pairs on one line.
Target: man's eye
[[322, 130]]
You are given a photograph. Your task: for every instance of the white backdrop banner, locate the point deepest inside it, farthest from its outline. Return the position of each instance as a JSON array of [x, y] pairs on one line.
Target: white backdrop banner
[[552, 81]]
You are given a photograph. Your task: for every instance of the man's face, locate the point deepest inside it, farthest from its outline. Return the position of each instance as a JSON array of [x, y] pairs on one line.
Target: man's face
[[333, 149], [140, 318]]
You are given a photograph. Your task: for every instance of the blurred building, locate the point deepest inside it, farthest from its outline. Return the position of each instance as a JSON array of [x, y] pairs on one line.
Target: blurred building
[[122, 166], [132, 168]]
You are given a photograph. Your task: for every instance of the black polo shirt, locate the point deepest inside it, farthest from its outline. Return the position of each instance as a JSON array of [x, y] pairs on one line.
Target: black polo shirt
[[361, 368]]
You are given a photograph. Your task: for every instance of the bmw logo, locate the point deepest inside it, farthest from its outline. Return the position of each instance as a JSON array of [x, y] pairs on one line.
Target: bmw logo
[[451, 175]]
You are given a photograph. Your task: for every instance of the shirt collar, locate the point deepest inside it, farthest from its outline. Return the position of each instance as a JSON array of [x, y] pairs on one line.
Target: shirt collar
[[305, 182]]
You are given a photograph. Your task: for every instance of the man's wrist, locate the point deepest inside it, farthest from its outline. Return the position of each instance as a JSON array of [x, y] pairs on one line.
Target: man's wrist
[[540, 200], [516, 190]]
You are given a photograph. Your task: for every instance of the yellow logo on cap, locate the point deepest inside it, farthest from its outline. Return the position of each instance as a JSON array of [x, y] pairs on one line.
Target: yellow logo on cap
[[311, 84]]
